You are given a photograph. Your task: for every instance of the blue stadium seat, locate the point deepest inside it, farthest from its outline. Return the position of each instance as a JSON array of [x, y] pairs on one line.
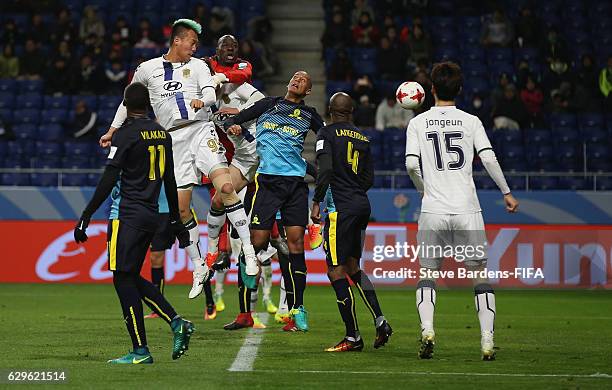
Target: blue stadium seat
[[105, 117], [93, 179], [49, 148], [78, 148], [109, 102], [7, 100], [512, 151], [170, 6], [563, 120], [593, 135], [90, 100], [76, 162], [3, 149], [15, 179], [44, 179], [365, 60], [597, 150], [403, 181], [27, 116], [591, 121], [379, 181], [144, 52], [566, 151], [604, 183], [51, 132], [338, 86], [484, 183], [565, 135], [496, 69], [20, 148], [124, 6], [26, 86], [515, 164], [26, 131], [30, 100], [537, 136], [55, 115], [599, 165], [574, 183], [100, 5], [446, 53], [75, 180], [56, 102], [528, 54], [543, 183], [47, 162], [6, 115], [474, 86], [475, 69], [470, 22], [8, 86], [516, 183], [499, 55]]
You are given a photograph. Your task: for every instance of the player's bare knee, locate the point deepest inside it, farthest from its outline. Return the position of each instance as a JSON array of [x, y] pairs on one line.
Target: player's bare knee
[[217, 202]]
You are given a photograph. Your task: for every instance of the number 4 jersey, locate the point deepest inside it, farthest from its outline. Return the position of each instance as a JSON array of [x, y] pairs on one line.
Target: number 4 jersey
[[142, 149], [445, 138]]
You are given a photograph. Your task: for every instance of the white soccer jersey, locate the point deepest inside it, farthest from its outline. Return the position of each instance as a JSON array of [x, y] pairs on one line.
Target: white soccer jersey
[[237, 96], [171, 87], [445, 138]]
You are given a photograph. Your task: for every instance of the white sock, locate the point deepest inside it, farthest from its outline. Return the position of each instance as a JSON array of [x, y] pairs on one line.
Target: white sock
[[485, 307], [266, 275], [282, 303], [219, 279], [215, 220], [238, 218], [193, 250], [236, 245], [254, 299], [426, 303]]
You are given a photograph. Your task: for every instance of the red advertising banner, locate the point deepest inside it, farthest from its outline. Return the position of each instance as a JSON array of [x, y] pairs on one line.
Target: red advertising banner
[[526, 256]]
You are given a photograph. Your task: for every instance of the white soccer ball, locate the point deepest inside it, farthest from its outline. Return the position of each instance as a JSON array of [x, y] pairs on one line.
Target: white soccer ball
[[410, 95]]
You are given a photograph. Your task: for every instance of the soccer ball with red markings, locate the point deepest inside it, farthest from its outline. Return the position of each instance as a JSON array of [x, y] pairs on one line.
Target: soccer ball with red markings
[[410, 95]]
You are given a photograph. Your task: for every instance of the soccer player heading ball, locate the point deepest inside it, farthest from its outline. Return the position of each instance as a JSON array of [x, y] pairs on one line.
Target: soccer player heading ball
[[444, 139]]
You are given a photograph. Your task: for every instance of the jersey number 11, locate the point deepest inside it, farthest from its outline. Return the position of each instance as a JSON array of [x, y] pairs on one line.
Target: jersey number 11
[[153, 157]]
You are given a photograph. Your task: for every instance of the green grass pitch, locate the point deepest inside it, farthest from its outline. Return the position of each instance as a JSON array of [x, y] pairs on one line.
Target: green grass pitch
[[546, 339]]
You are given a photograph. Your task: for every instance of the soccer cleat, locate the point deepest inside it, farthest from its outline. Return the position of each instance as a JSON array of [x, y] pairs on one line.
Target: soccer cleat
[[252, 268], [134, 358], [300, 317], [182, 330], [257, 324], [200, 274], [383, 332], [152, 315], [211, 258], [282, 318], [290, 326], [222, 263], [244, 320], [314, 234], [487, 346], [427, 345], [219, 302], [347, 346], [211, 312], [270, 307]]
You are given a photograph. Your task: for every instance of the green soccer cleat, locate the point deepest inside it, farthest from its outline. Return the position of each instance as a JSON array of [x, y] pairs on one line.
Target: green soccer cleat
[[134, 358], [300, 316], [427, 345], [270, 307], [182, 330]]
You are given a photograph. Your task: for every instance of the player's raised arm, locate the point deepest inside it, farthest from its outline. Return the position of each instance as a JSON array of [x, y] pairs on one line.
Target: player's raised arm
[[413, 153], [232, 125], [489, 161], [207, 86]]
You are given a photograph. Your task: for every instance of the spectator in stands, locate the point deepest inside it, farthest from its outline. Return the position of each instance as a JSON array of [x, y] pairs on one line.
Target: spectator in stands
[[532, 98], [91, 23], [63, 51], [84, 124], [365, 112], [419, 45], [9, 64], [117, 47], [65, 29], [115, 78], [422, 77], [365, 33], [497, 31], [10, 35], [498, 92], [146, 37], [480, 107], [341, 68], [37, 30], [586, 82], [508, 112], [337, 34], [390, 61], [527, 28], [553, 48], [359, 8], [260, 32], [219, 25], [391, 114], [561, 98], [364, 86], [58, 78], [88, 76], [123, 29], [31, 64], [260, 68], [605, 84], [200, 14]]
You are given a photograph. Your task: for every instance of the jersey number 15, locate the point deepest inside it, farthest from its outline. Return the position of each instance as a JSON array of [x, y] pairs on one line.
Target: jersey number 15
[[152, 159], [450, 148]]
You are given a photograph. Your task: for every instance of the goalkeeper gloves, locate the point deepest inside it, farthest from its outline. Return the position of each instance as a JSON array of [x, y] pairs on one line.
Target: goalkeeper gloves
[[218, 79], [181, 233], [80, 236]]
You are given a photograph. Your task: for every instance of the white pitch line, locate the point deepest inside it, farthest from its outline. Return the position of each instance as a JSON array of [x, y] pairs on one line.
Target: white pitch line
[[248, 352], [594, 376]]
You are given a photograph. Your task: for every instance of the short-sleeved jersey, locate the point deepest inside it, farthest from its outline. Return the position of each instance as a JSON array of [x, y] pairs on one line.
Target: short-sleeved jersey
[[445, 138], [282, 127], [172, 86], [239, 72], [352, 167], [142, 149]]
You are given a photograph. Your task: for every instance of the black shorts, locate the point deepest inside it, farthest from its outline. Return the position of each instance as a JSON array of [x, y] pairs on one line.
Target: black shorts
[[127, 246], [163, 238], [342, 237], [289, 194]]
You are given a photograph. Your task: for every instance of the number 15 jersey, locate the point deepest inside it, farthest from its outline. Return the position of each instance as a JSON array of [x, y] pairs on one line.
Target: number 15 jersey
[[445, 138]]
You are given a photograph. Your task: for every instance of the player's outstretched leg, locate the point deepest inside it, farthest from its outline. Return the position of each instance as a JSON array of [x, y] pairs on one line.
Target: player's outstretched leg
[[485, 307], [188, 217], [352, 341], [266, 275], [297, 275], [244, 319], [181, 328], [368, 294], [129, 297], [157, 274], [426, 304], [210, 312]]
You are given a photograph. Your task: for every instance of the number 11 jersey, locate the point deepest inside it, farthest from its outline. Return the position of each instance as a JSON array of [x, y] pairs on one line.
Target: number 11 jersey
[[445, 139]]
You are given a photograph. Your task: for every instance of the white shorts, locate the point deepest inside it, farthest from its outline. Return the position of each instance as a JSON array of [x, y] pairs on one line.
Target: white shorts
[[463, 235], [196, 150], [245, 156]]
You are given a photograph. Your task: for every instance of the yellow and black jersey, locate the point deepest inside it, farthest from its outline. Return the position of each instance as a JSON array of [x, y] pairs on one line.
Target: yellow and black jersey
[[345, 169]]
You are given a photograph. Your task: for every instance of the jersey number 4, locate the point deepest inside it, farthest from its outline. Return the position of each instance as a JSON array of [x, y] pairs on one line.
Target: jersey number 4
[[450, 148], [352, 156], [152, 159]]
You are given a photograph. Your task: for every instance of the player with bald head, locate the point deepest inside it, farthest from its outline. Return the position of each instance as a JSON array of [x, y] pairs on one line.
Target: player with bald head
[[345, 175]]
